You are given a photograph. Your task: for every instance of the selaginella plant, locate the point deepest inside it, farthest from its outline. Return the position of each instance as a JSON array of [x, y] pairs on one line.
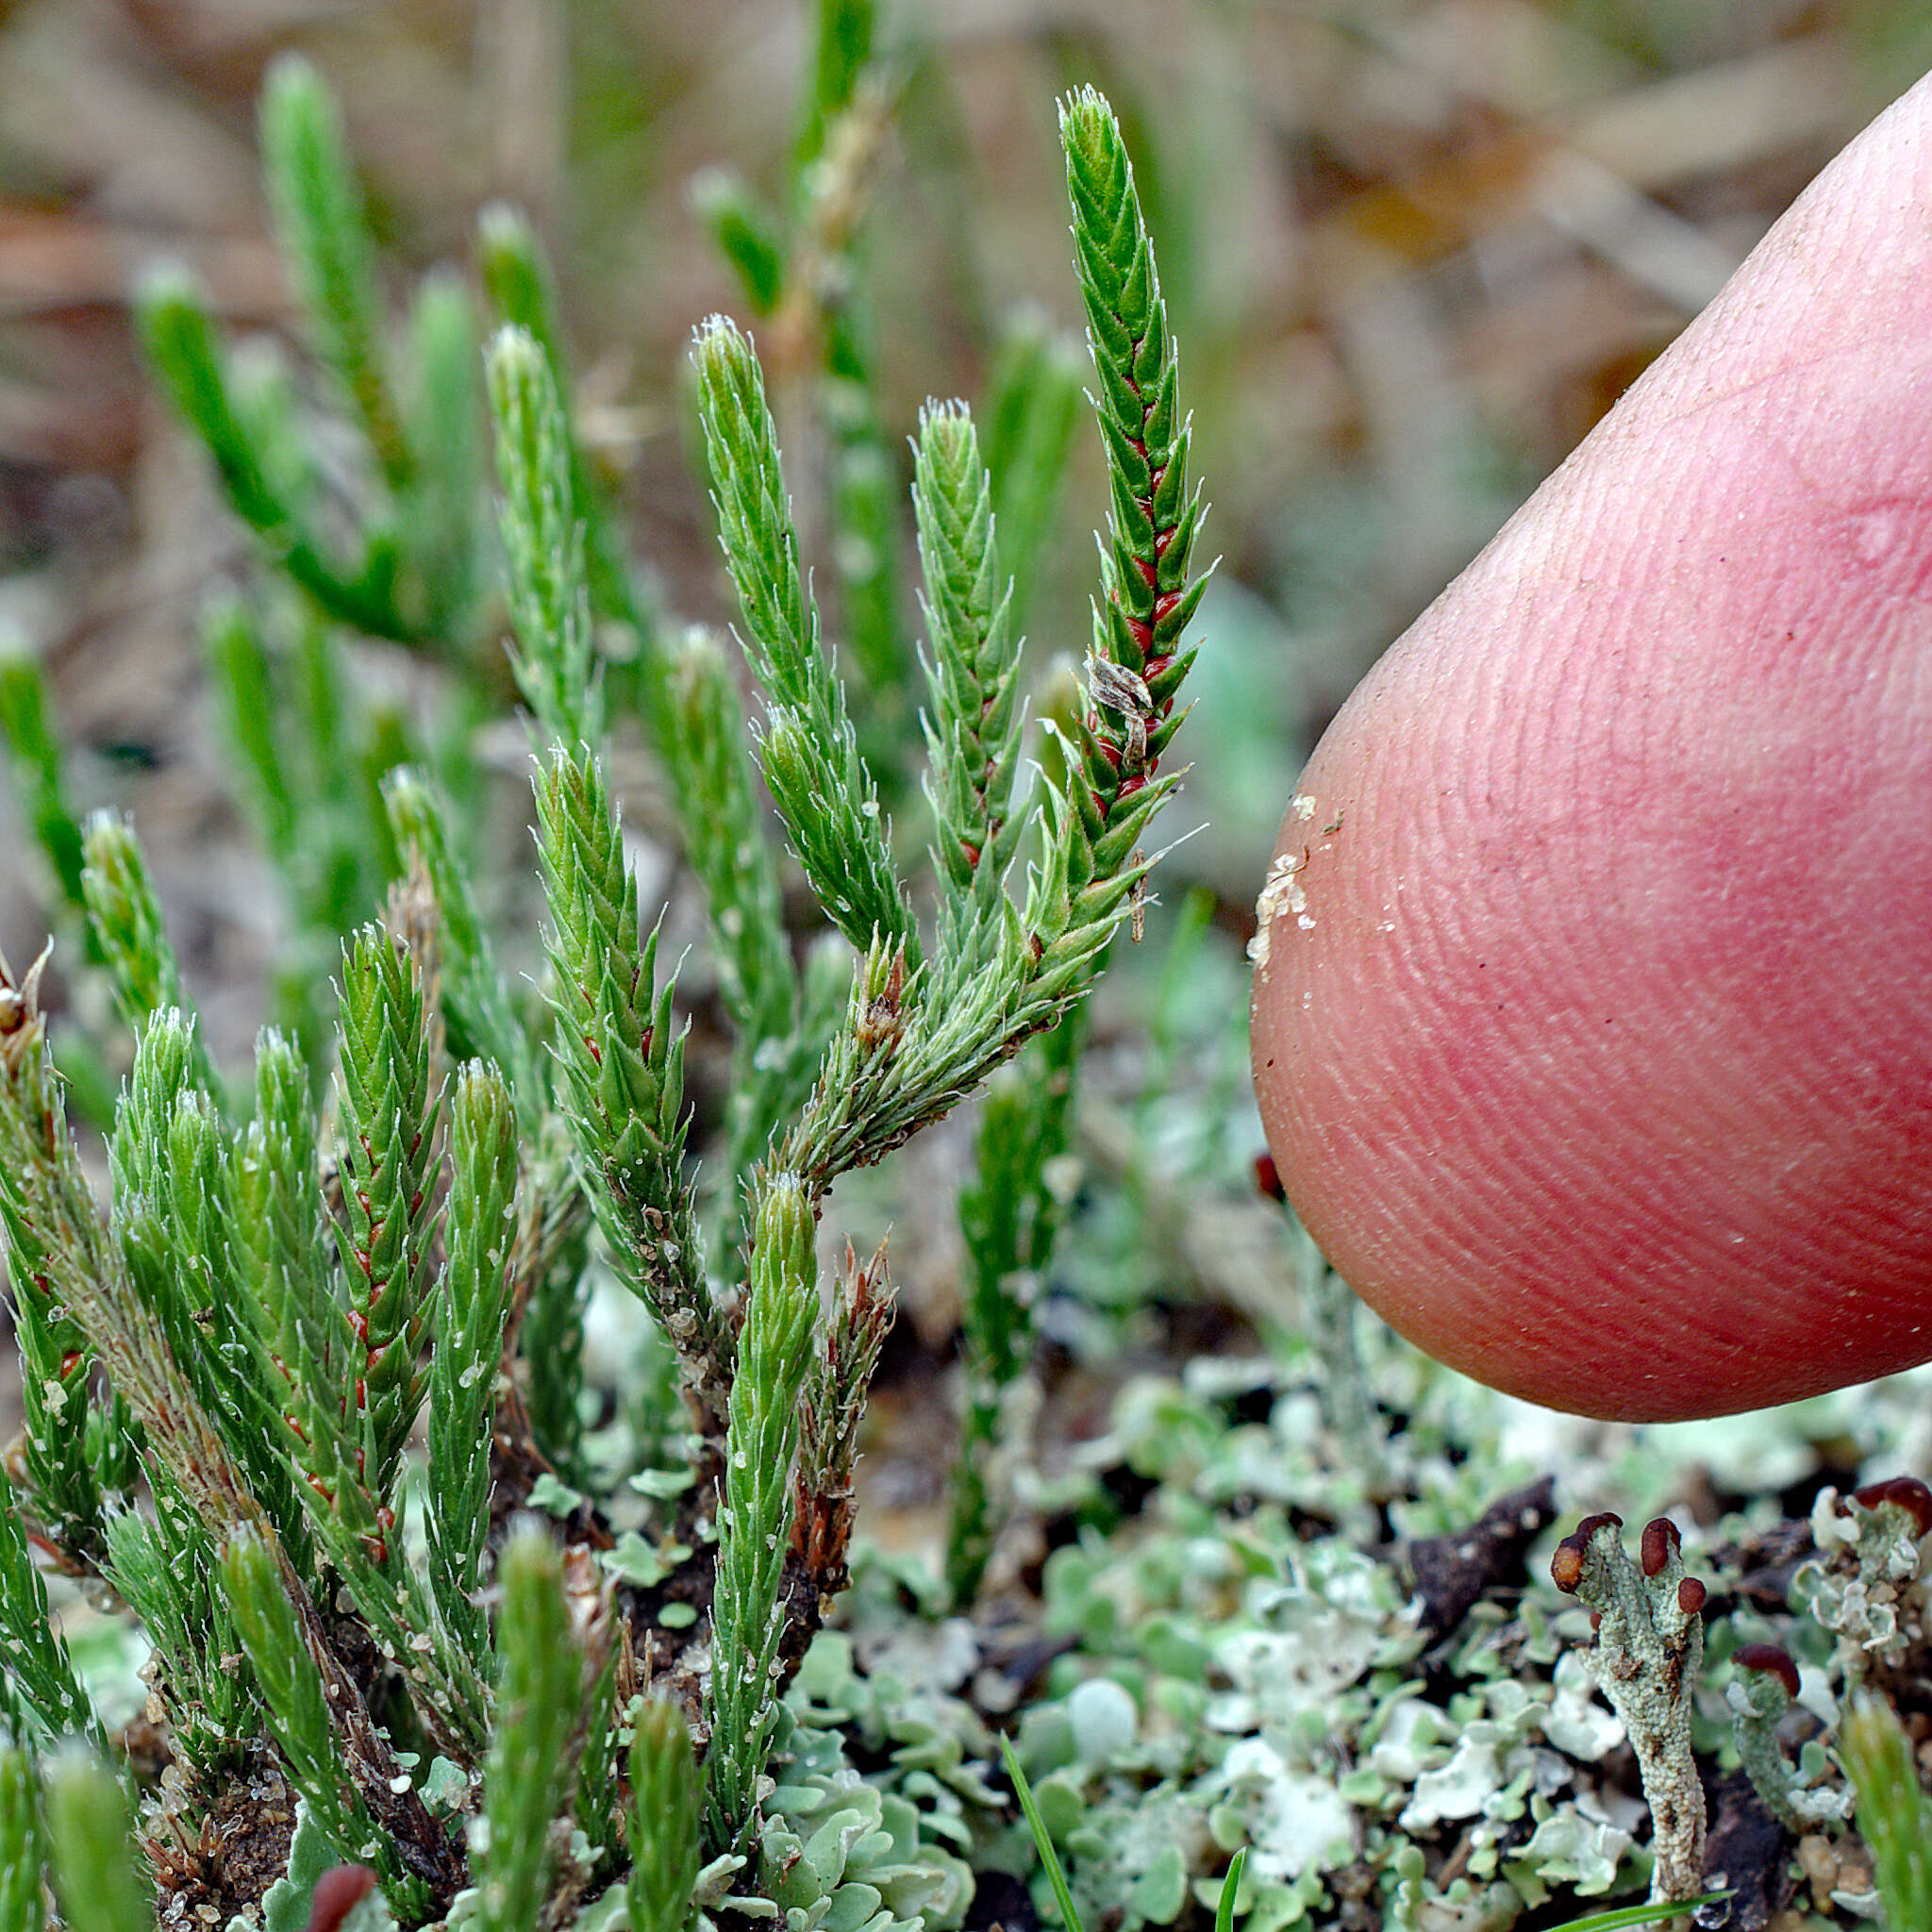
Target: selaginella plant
[[298, 1395]]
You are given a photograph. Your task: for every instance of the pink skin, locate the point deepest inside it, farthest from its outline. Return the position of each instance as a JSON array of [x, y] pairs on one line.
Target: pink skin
[[1594, 1035]]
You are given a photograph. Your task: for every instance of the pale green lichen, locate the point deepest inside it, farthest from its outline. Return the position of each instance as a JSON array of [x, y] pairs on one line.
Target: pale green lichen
[[1760, 1698], [1868, 1587], [1238, 1669], [1650, 1642]]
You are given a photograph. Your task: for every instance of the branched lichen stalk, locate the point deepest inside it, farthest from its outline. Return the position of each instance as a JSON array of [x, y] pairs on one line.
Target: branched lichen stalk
[[1763, 1688], [1650, 1640], [1870, 1590]]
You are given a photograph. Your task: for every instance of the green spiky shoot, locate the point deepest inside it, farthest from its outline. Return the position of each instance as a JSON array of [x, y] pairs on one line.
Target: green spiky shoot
[[621, 1067], [389, 1118], [822, 788], [755, 1522]]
